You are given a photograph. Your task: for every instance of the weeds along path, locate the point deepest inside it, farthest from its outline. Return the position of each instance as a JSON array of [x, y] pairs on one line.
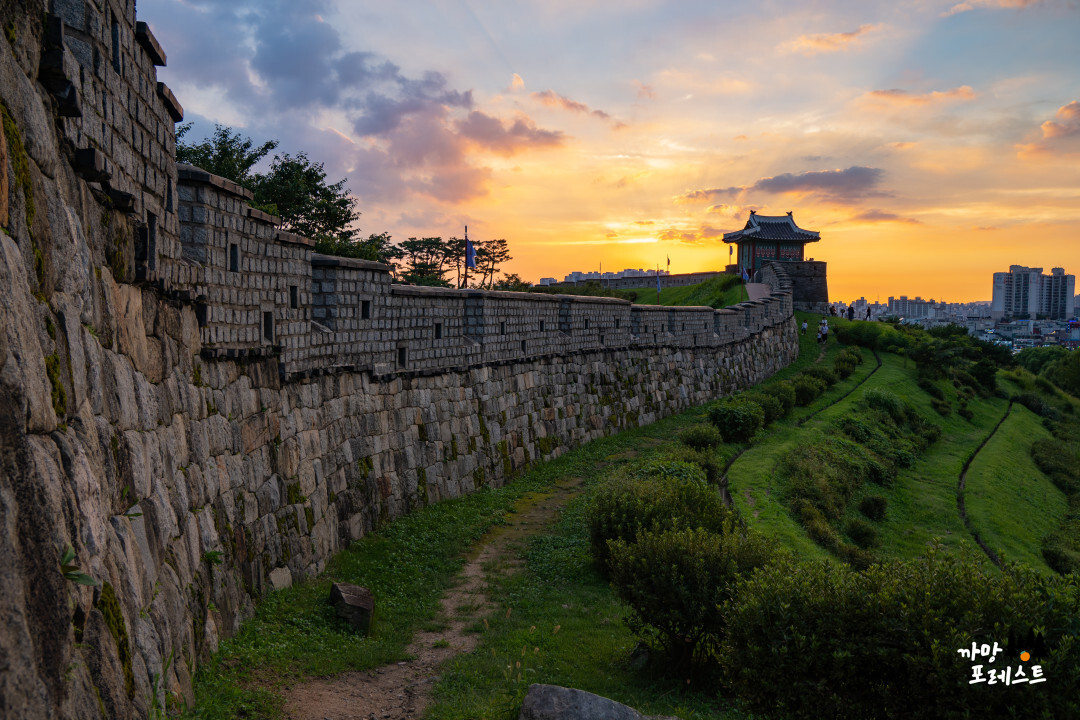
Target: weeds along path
[[960, 490], [402, 690]]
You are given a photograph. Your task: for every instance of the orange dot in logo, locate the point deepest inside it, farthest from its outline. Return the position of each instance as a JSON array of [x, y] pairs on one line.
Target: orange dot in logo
[[1025, 656]]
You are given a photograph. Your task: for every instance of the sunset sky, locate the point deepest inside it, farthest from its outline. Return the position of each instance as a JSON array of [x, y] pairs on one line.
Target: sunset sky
[[931, 143]]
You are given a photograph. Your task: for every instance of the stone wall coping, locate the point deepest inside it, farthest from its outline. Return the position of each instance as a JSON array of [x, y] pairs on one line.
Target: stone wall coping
[[288, 237], [150, 44], [197, 174], [258, 214], [320, 260]]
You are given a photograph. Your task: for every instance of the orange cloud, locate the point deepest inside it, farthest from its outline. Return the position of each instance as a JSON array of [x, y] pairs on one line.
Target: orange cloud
[[1060, 136], [972, 4], [903, 97], [827, 42], [516, 83], [693, 236]]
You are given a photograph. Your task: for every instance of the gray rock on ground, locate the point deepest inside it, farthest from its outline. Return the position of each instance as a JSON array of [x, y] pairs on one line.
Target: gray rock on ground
[[551, 702]]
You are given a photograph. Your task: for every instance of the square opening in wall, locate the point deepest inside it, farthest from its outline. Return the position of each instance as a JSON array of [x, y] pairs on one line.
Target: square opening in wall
[[541, 326], [201, 313], [618, 322], [294, 297], [268, 327], [438, 331], [586, 323], [522, 347], [365, 309], [502, 328], [234, 257], [402, 357]]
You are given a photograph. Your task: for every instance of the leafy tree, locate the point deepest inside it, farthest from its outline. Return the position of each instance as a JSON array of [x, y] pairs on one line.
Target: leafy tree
[[296, 190], [225, 153], [512, 282], [426, 262], [489, 255]]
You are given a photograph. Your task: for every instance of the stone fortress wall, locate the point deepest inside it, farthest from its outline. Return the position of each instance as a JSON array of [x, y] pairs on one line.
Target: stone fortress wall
[[182, 382]]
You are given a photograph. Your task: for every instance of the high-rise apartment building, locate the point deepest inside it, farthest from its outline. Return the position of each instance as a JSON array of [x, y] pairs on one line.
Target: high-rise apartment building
[[1025, 293]]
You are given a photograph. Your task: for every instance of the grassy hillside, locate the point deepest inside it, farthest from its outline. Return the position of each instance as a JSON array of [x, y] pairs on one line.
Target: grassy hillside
[[716, 293]]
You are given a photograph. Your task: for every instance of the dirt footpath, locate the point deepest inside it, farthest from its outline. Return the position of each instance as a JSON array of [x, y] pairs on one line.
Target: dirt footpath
[[396, 692]]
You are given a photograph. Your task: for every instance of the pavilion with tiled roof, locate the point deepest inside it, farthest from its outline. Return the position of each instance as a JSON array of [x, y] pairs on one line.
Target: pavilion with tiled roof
[[770, 237]]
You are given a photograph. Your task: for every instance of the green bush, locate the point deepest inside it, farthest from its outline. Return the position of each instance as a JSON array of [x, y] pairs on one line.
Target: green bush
[[627, 505], [1035, 360], [676, 582], [817, 640], [861, 533], [887, 402], [708, 461], [1037, 405], [822, 373], [807, 389], [701, 437], [1059, 462], [785, 393], [771, 405], [941, 407], [737, 419], [873, 507], [931, 388]]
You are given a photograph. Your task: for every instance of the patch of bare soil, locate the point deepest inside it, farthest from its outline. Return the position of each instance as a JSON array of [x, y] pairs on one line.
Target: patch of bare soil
[[396, 692]]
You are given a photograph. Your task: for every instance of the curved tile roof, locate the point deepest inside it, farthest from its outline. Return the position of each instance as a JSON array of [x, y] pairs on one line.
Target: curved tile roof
[[772, 227]]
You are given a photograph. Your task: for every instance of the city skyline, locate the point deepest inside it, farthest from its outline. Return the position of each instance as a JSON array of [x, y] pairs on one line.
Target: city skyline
[[931, 143]]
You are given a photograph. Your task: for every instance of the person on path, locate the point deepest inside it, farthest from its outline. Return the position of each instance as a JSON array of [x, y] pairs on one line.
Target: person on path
[[867, 312], [819, 336], [851, 312], [803, 327], [825, 333]]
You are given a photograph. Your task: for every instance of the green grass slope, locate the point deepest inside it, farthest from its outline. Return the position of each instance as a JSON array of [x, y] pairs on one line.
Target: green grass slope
[[1010, 502], [716, 293]]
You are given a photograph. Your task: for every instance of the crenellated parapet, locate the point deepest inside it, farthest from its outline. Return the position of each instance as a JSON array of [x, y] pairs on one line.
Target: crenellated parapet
[[260, 291]]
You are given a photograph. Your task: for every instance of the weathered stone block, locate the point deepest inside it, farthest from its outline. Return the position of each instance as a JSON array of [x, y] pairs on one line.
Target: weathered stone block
[[355, 604]]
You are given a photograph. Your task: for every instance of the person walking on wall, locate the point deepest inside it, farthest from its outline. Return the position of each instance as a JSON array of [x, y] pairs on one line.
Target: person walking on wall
[[867, 312]]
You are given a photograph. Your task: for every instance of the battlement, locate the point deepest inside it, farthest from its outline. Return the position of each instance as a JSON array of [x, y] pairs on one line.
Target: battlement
[[261, 291]]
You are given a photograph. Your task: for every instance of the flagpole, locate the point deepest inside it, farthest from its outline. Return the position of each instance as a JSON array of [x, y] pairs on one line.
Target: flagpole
[[465, 282]]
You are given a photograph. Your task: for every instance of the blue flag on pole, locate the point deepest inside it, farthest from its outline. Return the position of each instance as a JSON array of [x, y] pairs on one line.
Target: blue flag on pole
[[470, 254]]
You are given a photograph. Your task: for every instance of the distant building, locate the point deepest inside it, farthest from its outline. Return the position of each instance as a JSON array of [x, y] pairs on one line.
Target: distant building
[[912, 308], [547, 281], [1025, 292], [770, 237]]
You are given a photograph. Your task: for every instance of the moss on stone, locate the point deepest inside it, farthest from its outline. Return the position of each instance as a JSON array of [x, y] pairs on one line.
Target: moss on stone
[[109, 605], [309, 515], [10, 34], [365, 466], [478, 477], [59, 394], [421, 486], [547, 444], [421, 431], [20, 162], [453, 448], [483, 428]]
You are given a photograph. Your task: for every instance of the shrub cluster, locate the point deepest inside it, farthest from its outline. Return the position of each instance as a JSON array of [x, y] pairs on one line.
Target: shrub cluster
[[813, 640], [673, 552], [821, 478], [701, 437], [737, 418], [677, 581], [652, 496]]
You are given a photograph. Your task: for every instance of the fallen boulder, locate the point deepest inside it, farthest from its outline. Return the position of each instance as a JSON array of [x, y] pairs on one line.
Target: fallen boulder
[[551, 702]]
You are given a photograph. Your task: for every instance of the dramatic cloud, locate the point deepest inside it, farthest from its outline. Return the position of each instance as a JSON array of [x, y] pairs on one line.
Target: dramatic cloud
[[854, 182], [903, 97], [506, 139], [283, 66], [1060, 136], [972, 4], [827, 42], [878, 216]]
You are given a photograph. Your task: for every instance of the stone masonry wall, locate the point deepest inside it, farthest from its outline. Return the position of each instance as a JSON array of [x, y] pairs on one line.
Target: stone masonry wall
[[149, 423]]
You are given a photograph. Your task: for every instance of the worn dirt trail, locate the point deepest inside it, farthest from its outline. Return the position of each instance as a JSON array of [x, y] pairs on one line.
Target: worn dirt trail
[[396, 692]]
